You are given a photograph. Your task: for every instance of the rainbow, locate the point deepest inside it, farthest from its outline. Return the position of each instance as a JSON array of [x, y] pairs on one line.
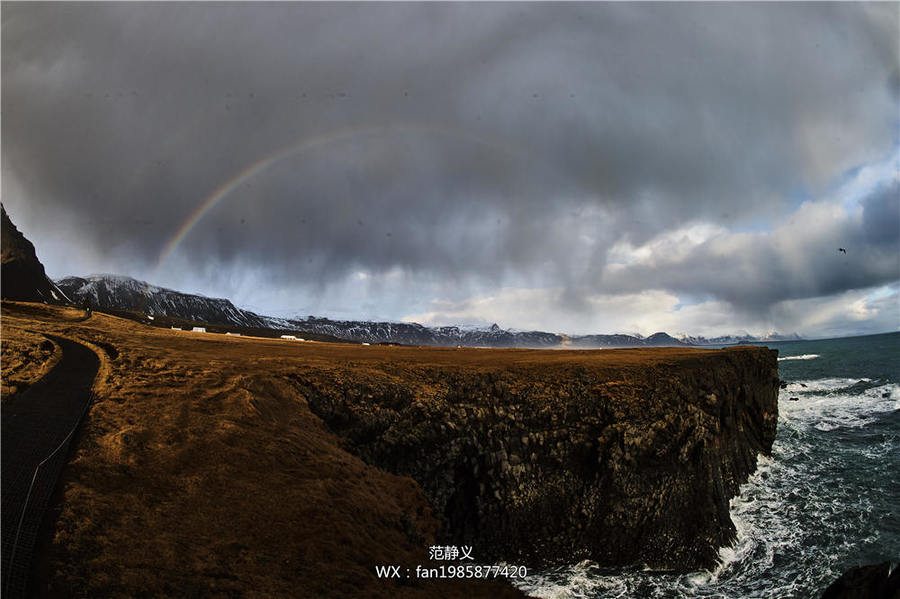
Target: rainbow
[[255, 168]]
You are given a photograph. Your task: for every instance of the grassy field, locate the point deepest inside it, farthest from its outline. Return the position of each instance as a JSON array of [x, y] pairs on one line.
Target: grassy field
[[201, 470], [26, 357]]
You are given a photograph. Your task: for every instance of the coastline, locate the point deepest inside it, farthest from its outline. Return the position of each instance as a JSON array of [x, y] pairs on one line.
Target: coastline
[[238, 465]]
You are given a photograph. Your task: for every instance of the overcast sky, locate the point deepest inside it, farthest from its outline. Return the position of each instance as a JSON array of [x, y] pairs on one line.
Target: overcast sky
[[577, 168]]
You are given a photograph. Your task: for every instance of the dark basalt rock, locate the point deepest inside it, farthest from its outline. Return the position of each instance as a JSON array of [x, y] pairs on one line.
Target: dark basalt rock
[[550, 464], [875, 581], [22, 274]]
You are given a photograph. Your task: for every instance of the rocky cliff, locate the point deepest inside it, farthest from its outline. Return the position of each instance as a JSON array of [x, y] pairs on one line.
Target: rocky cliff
[[620, 456], [22, 274]]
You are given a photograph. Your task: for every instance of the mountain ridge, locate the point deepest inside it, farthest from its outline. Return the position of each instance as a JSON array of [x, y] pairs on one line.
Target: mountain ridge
[[117, 292]]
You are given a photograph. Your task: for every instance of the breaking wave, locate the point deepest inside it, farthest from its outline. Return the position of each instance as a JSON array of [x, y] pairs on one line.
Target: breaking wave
[[822, 499]]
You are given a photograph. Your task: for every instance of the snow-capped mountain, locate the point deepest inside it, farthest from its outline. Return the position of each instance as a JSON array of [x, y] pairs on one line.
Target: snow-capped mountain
[[111, 292], [745, 337], [412, 333], [776, 336]]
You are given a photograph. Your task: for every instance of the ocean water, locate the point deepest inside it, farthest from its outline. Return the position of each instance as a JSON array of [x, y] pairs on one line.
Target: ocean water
[[826, 500]]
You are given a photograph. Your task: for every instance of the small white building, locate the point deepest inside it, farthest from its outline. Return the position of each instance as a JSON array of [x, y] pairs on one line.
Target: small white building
[[199, 329], [366, 343], [234, 334], [291, 337]]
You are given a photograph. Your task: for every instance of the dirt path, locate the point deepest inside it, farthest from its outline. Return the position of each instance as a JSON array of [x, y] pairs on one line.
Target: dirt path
[[35, 432]]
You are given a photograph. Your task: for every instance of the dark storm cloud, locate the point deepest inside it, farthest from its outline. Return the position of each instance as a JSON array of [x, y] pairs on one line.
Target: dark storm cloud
[[496, 142], [800, 259], [881, 217]]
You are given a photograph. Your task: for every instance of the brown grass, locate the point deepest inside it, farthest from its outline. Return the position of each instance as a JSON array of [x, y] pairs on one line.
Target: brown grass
[[201, 470], [26, 357]]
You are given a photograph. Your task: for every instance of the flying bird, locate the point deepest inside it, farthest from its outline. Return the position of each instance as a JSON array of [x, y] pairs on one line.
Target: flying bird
[[842, 250]]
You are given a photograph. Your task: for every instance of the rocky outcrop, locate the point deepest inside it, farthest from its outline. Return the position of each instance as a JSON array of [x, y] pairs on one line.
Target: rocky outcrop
[[866, 582], [621, 456], [22, 274]]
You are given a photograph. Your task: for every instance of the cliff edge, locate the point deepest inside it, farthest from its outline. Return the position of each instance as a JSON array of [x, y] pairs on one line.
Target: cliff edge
[[23, 276], [205, 467], [621, 456]]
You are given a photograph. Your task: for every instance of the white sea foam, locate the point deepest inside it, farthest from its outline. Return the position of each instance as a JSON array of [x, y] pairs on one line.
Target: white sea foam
[[827, 404], [820, 385], [803, 357], [574, 582], [801, 513]]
